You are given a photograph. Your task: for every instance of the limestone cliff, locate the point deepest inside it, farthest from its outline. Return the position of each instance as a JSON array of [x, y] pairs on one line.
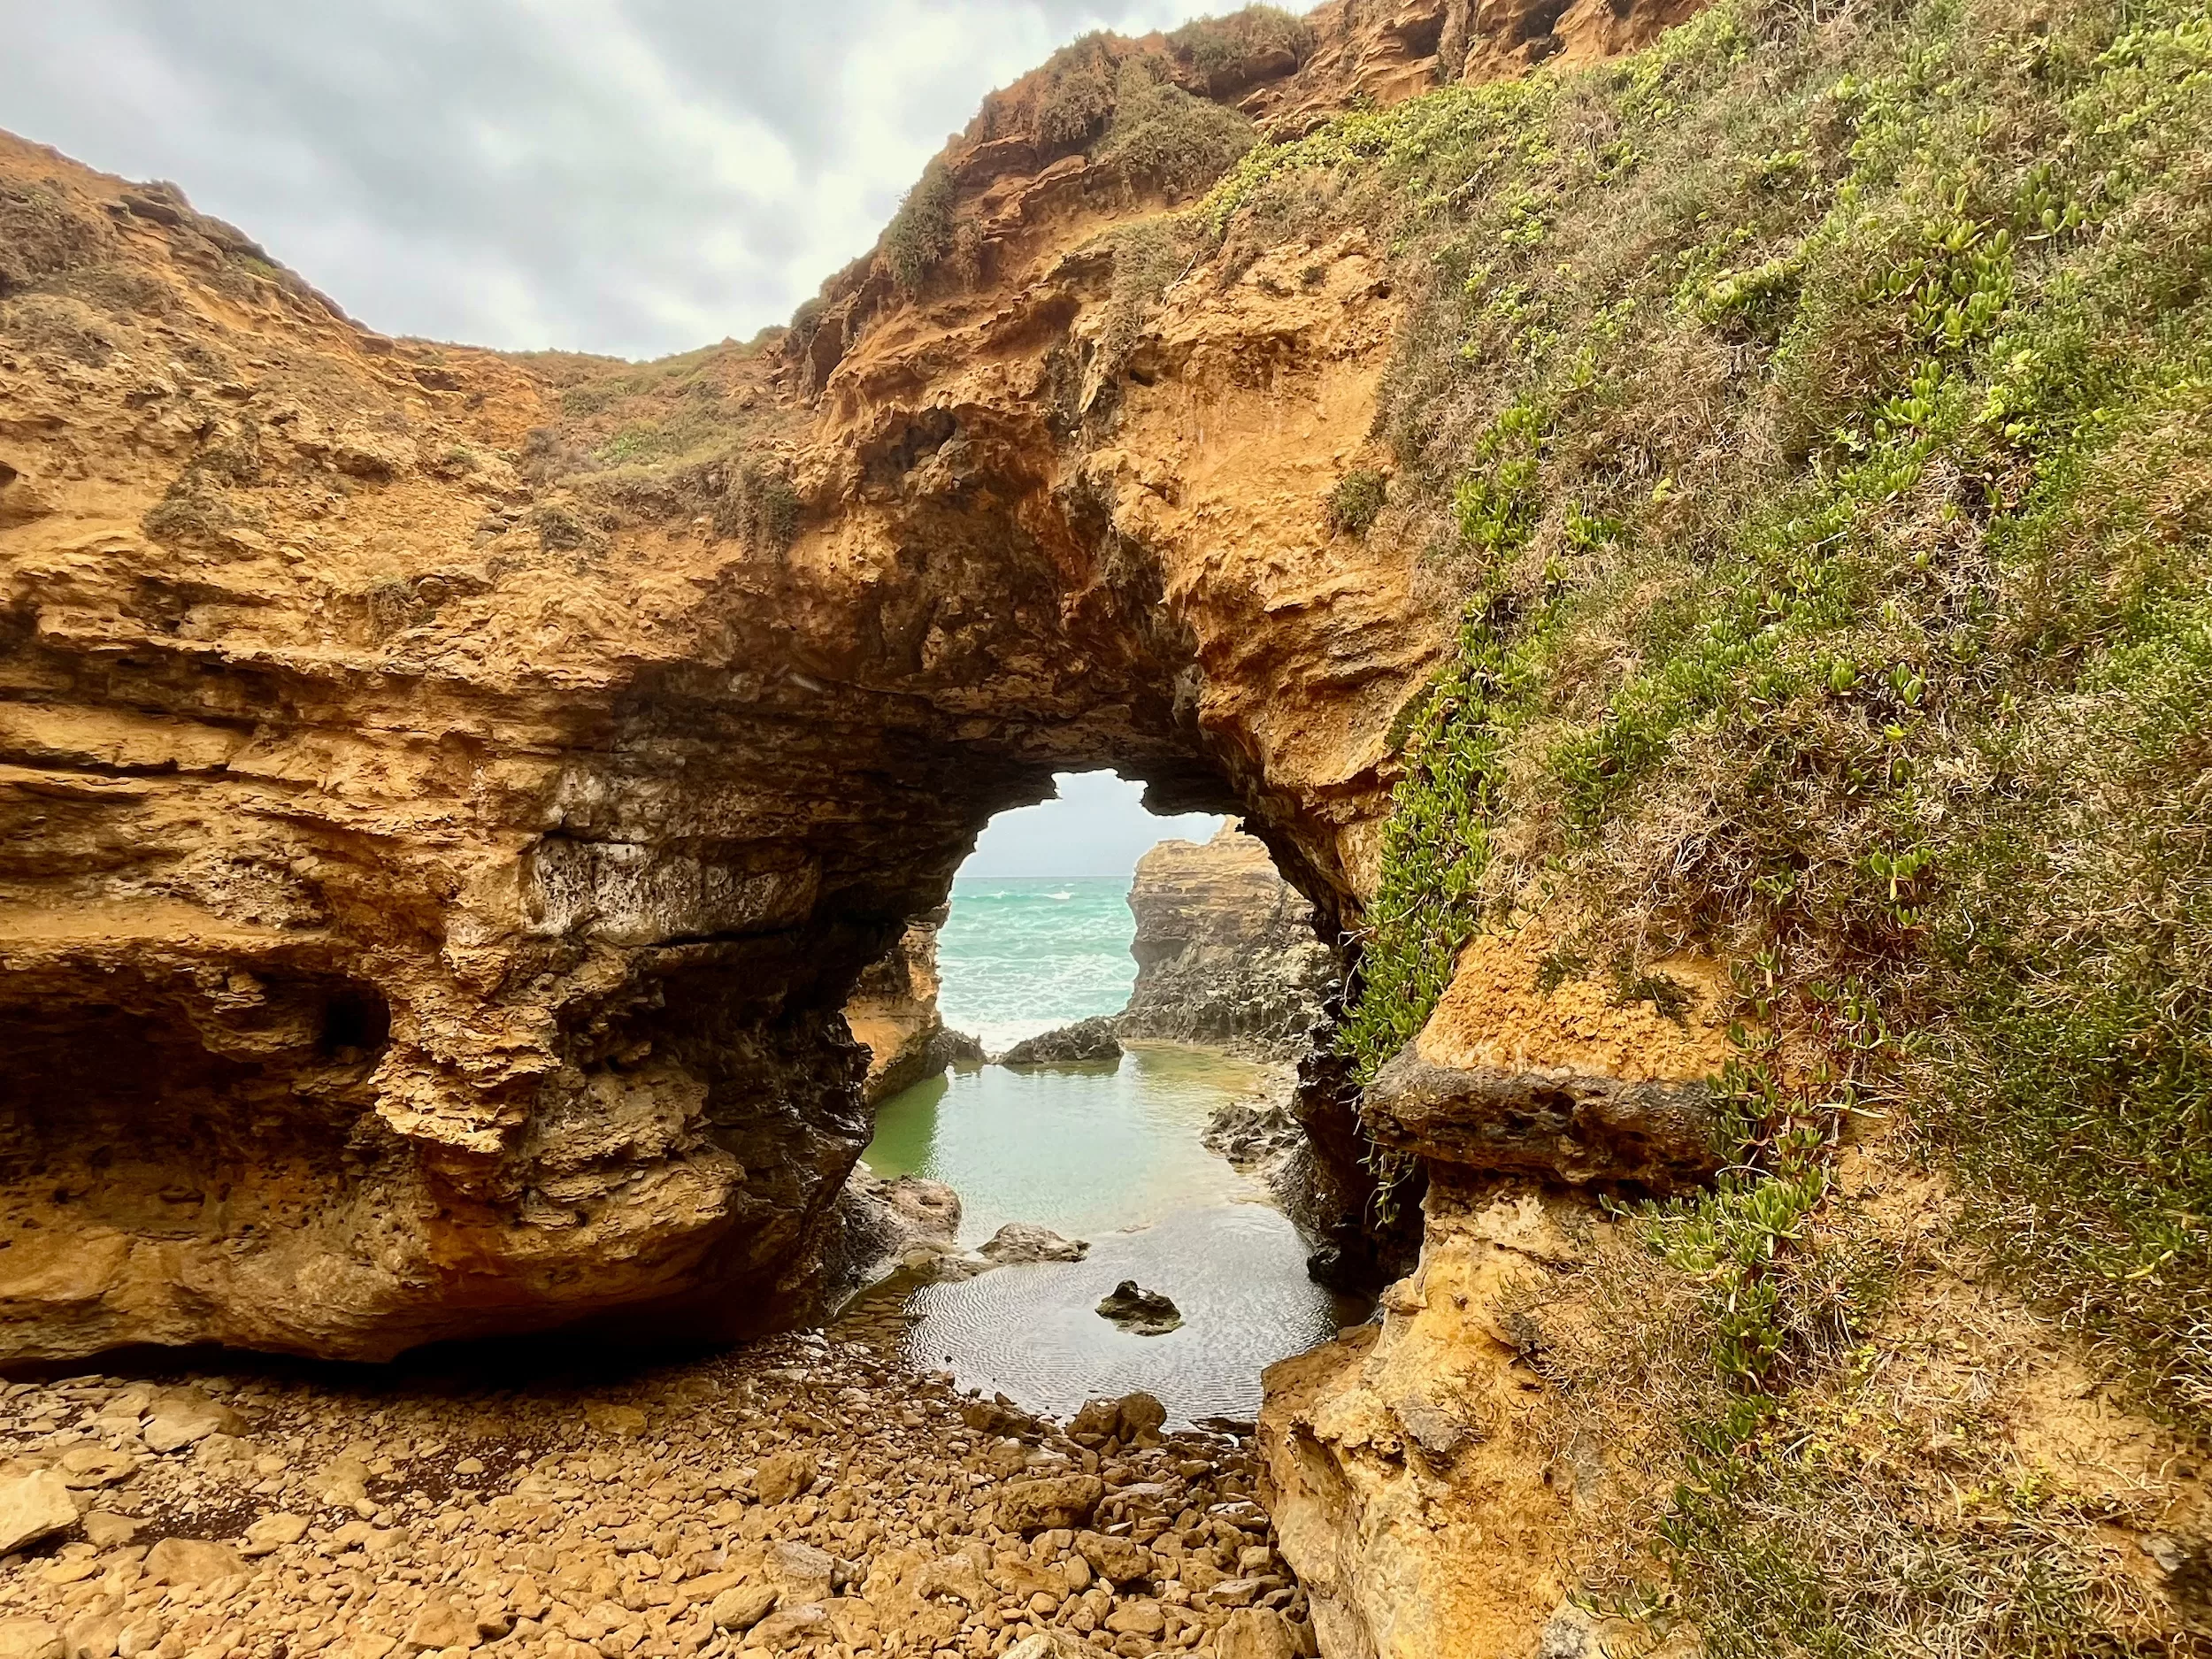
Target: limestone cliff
[[893, 1011], [1226, 948], [449, 797]]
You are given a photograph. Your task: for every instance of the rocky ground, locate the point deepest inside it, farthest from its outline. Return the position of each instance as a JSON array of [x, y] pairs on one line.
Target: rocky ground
[[801, 1494]]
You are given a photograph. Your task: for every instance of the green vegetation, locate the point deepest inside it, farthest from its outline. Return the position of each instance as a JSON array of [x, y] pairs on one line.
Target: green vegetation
[[1358, 501], [1213, 45], [1162, 137], [1816, 417], [920, 233]]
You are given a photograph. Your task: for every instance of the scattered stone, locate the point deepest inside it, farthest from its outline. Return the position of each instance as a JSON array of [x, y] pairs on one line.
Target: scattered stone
[[742, 1607], [792, 1625], [32, 1507], [1258, 1632], [195, 1561], [95, 1636], [909, 1519], [31, 1639], [1083, 1043], [1237, 1592], [1055, 1644], [624, 1422], [87, 1467], [1139, 1312], [273, 1531], [106, 1531], [1037, 1506], [442, 1624], [342, 1481], [1139, 1617], [1118, 1560], [783, 1477], [1021, 1242], [802, 1572], [186, 1416]]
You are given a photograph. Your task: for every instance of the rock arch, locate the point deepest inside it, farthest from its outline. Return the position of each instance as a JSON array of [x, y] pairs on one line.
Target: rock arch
[[436, 843], [461, 903]]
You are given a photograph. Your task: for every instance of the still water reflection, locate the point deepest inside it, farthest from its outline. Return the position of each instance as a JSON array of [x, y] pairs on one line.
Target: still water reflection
[[1110, 1154]]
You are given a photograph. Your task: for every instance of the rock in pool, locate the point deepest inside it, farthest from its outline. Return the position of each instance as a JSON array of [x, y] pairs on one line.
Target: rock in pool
[[1086, 1041], [1021, 1241], [1144, 1312]]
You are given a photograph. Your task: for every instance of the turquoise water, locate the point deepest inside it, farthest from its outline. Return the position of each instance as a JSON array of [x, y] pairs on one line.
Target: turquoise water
[[1107, 1153], [1082, 1149], [1020, 954]]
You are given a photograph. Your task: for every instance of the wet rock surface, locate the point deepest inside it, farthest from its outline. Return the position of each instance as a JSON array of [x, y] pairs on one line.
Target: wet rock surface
[[799, 1495], [1086, 1041], [1141, 1311], [1019, 1241], [893, 1013]]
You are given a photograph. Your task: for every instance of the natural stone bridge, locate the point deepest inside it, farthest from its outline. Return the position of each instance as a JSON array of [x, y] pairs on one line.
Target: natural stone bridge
[[432, 864], [428, 897]]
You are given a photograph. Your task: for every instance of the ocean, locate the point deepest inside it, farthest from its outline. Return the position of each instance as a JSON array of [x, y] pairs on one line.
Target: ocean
[[1021, 954]]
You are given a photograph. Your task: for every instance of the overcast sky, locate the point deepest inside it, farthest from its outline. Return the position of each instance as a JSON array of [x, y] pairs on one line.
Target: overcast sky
[[1097, 828], [630, 176]]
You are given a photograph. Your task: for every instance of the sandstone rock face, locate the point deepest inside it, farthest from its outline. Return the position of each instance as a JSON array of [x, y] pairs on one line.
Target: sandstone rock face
[[1519, 1072], [435, 857], [1226, 948], [893, 1012], [1409, 1487], [880, 1223]]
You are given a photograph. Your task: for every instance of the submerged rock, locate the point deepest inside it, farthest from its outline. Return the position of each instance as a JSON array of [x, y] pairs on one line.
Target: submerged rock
[[1024, 1241], [1086, 1041], [1143, 1312]]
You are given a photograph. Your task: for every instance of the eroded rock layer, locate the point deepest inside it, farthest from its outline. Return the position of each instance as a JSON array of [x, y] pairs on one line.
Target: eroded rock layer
[[437, 851], [1226, 948]]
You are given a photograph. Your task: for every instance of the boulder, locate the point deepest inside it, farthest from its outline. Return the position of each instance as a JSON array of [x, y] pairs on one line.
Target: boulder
[[195, 1561], [1037, 1506], [87, 1467], [185, 1417], [33, 1507], [1025, 1242], [742, 1607], [1141, 1617], [1117, 1560], [1140, 1311], [1083, 1043], [1123, 1419], [31, 1639], [273, 1531], [784, 1476], [802, 1572]]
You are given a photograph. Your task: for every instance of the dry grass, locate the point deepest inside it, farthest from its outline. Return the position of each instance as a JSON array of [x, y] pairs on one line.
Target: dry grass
[[1892, 1501]]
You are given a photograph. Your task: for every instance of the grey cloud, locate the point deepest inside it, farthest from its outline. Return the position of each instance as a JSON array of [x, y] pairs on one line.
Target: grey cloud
[[634, 176]]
